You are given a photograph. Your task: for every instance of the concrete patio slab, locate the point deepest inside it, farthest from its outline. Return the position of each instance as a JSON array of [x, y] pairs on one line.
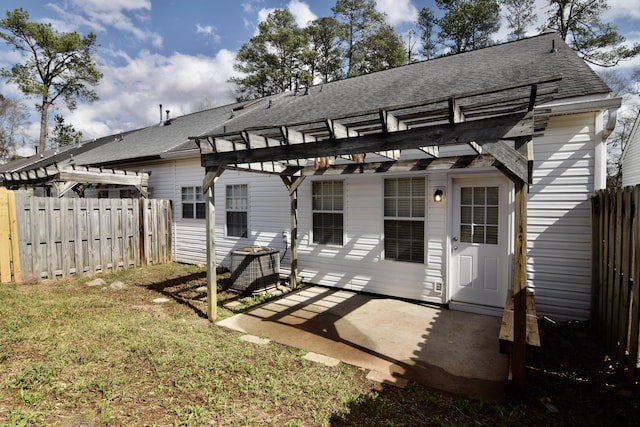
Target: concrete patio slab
[[444, 349]]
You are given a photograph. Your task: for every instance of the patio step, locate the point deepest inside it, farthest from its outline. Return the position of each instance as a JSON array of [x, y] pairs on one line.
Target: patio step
[[506, 329]]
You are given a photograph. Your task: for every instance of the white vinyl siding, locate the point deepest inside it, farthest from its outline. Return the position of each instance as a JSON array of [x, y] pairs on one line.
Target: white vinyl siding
[[359, 264], [631, 158], [559, 217]]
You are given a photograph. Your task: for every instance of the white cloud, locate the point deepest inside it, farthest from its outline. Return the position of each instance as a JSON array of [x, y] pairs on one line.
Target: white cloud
[[98, 15], [208, 30], [130, 94], [263, 14], [301, 12], [626, 9], [398, 11]]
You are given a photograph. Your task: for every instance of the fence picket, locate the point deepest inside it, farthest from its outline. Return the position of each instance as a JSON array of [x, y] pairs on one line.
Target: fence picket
[[58, 237], [616, 273], [5, 237]]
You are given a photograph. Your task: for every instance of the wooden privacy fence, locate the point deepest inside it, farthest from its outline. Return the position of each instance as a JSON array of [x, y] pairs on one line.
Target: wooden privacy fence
[[64, 236], [615, 310]]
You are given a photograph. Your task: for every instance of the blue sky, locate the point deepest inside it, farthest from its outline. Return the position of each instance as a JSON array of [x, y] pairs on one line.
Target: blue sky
[[180, 53]]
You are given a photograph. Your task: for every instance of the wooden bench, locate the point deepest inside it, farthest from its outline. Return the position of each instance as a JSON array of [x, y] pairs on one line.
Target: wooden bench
[[506, 329]]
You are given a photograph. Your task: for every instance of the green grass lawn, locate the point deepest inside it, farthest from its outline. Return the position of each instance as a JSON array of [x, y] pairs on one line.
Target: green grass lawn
[[72, 355]]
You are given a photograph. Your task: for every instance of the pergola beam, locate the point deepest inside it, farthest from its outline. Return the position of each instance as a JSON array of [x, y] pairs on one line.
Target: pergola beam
[[511, 162], [492, 129], [430, 164]]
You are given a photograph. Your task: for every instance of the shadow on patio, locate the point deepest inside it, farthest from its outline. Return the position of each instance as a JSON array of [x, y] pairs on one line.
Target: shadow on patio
[[447, 350]]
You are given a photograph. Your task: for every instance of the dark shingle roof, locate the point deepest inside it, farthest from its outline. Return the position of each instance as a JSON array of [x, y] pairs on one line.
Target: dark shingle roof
[[452, 75], [152, 141], [506, 64]]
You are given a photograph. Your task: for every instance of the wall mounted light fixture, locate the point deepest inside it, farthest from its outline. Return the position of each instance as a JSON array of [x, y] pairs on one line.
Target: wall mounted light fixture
[[438, 195]]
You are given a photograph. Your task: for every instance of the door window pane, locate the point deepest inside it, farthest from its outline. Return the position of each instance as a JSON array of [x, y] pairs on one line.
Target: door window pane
[[479, 215]]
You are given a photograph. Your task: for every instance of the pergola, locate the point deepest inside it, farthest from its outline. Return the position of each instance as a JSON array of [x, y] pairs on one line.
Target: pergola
[[77, 178], [497, 123]]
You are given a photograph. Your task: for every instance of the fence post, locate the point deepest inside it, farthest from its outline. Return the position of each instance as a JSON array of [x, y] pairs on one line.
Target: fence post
[[142, 221], [15, 241], [5, 237]]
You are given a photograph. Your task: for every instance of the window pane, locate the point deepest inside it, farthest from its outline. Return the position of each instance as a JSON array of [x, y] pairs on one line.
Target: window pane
[[478, 196], [478, 234], [187, 210], [404, 207], [492, 215], [404, 240], [492, 235], [417, 187], [315, 202], [187, 193], [493, 196], [338, 202], [417, 208], [390, 207], [465, 214], [327, 228], [466, 195], [199, 196], [478, 215], [390, 188], [404, 197], [404, 187], [201, 211], [465, 233], [237, 224]]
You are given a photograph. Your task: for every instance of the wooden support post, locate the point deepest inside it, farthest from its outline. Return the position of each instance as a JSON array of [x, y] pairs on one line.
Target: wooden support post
[[15, 244], [212, 280], [5, 237], [519, 356], [518, 359], [294, 239], [292, 185]]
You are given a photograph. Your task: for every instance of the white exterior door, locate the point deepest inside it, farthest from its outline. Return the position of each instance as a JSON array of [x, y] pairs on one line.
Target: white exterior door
[[479, 247]]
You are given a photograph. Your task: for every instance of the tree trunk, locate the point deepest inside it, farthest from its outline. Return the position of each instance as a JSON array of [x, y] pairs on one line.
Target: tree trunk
[[43, 125]]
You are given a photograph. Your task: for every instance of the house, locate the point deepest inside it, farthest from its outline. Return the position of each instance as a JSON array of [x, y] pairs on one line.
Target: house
[[630, 159], [438, 173]]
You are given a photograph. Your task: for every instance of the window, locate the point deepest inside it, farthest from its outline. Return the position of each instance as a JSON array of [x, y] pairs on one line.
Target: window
[[479, 215], [103, 194], [193, 205], [404, 210], [237, 207], [327, 207], [127, 194]]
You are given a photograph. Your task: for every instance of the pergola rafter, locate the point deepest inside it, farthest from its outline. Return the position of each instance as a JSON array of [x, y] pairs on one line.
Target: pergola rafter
[[478, 118], [77, 178]]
